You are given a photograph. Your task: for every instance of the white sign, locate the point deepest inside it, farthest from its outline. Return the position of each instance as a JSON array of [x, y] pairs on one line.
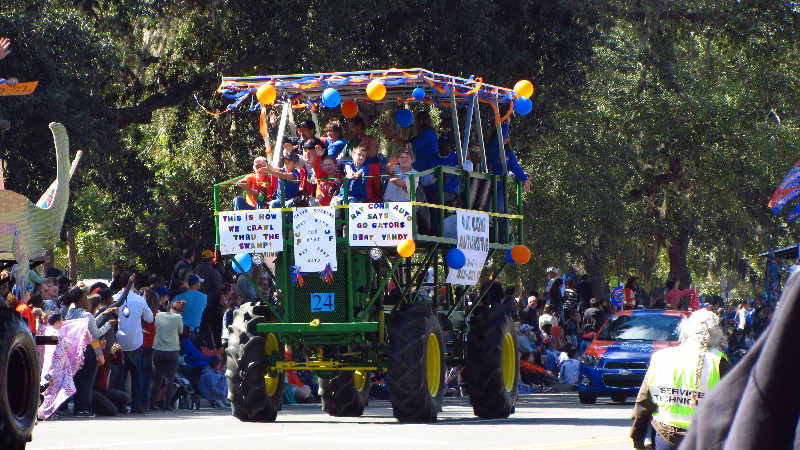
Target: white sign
[[314, 238], [473, 240], [379, 224], [252, 231]]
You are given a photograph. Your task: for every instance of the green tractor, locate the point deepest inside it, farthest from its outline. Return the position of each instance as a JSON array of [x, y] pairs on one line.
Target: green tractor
[[367, 287]]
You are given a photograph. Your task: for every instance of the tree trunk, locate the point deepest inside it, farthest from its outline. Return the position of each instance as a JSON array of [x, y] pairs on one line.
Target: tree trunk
[[677, 249], [73, 265], [596, 268], [49, 261]]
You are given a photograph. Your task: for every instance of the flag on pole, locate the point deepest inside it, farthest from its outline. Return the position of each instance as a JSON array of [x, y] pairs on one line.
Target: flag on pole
[[618, 296], [694, 305], [773, 277]]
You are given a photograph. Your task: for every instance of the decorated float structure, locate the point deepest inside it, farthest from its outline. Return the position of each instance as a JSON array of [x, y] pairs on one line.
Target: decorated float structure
[[27, 231], [362, 287]]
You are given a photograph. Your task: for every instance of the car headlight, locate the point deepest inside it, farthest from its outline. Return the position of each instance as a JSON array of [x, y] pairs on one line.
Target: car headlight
[[591, 361]]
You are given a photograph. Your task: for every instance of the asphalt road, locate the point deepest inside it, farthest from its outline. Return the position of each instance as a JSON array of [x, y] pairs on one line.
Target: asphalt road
[[541, 421]]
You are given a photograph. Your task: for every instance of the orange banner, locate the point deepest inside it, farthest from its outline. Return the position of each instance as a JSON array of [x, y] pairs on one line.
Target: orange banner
[[19, 89]]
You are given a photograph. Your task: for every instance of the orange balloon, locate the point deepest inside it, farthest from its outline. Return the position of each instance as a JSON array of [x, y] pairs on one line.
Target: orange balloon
[[376, 90], [520, 254], [349, 109], [266, 94], [524, 88], [406, 248]]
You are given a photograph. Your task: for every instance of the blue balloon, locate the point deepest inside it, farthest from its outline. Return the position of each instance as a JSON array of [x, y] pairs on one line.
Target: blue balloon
[[522, 105], [244, 260], [509, 258], [456, 259], [404, 118], [331, 97], [418, 93]]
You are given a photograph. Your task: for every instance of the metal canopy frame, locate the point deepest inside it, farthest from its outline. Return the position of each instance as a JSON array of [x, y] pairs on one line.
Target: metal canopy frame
[[306, 89]]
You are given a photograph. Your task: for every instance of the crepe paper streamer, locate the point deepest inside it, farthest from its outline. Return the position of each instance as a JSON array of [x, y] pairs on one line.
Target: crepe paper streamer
[[297, 277], [327, 274]]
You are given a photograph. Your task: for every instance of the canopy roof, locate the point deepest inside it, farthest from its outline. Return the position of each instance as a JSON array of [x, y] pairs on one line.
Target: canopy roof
[[784, 253], [305, 90]]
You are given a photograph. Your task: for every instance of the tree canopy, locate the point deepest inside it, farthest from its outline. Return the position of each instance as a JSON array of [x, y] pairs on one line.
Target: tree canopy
[[658, 133]]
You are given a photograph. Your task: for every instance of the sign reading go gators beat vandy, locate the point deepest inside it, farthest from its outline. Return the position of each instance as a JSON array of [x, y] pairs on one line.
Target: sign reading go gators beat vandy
[[379, 224], [252, 231]]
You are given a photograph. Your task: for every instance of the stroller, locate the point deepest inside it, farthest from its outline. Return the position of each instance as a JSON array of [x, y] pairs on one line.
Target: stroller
[[184, 394]]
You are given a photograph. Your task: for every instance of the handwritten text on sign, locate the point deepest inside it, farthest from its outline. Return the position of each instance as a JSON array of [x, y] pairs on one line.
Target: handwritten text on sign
[[379, 224], [473, 240], [258, 230], [314, 238], [18, 89]]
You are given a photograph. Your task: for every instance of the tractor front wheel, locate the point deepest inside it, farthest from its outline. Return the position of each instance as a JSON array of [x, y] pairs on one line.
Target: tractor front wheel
[[493, 365], [254, 392]]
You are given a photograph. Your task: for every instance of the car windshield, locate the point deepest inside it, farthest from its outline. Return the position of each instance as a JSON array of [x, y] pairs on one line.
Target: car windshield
[[641, 327]]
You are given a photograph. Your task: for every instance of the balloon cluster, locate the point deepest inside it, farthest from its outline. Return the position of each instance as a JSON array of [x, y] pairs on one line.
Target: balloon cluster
[[522, 102]]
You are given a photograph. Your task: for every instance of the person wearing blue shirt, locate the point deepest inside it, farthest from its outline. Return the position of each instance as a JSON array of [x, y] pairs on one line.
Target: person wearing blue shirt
[[496, 168], [288, 181], [356, 173], [196, 303], [334, 141], [425, 143]]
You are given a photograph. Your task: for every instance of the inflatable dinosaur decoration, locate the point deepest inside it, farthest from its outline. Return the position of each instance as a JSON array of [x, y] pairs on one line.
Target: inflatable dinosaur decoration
[[28, 230]]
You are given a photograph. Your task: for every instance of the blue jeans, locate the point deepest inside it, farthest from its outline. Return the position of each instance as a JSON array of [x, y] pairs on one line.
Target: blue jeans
[[147, 373], [240, 204], [133, 364], [660, 444]]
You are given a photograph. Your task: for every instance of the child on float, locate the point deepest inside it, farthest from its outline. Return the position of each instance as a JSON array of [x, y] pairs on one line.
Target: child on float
[[334, 141], [397, 190], [288, 181], [329, 179], [356, 173]]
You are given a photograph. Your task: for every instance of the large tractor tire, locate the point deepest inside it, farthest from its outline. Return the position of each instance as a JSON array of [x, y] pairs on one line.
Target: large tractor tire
[[254, 393], [19, 381], [493, 365], [346, 394], [416, 364]]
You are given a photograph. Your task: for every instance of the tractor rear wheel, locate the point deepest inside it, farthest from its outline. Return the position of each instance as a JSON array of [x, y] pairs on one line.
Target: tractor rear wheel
[[19, 381], [255, 394], [416, 364], [346, 394], [493, 365]]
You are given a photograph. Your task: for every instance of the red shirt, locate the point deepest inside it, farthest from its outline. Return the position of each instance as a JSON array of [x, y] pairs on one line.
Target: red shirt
[[25, 311], [149, 331], [101, 380]]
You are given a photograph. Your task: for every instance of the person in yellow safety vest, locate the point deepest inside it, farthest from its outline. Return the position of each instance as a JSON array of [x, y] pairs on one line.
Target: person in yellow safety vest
[[677, 380]]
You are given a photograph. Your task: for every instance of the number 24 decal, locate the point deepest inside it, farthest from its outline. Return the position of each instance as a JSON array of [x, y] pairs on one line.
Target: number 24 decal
[[322, 302]]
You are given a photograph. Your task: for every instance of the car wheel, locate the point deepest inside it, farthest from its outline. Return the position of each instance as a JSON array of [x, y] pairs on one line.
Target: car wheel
[[587, 399]]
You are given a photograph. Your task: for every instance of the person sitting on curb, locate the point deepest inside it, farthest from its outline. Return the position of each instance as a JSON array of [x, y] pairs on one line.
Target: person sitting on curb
[[213, 385]]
